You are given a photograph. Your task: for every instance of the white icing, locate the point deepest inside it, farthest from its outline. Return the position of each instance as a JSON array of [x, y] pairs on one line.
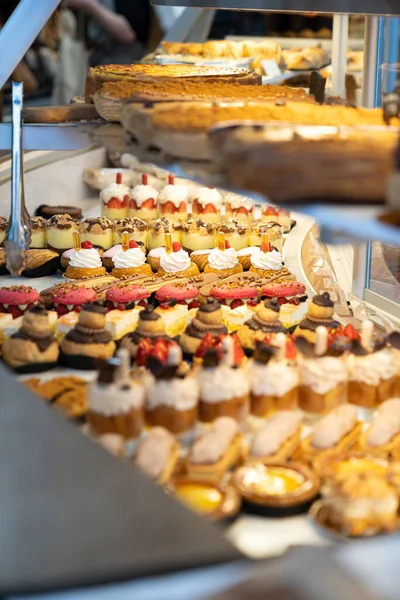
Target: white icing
[[133, 257], [269, 261], [180, 394], [114, 190], [141, 193], [276, 431], [173, 193], [175, 261], [236, 202], [372, 368], [274, 379], [323, 374], [206, 196], [157, 252], [87, 258], [223, 259], [68, 253], [247, 251], [110, 400], [222, 383], [153, 452], [210, 447], [334, 426]]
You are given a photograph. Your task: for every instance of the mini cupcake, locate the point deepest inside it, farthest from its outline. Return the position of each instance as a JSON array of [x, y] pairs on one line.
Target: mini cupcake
[[71, 298], [114, 200], [239, 207], [85, 261], [39, 235], [208, 319], [197, 235], [135, 228], [143, 204], [97, 230], [129, 260], [122, 297], [224, 385], [16, 299], [320, 313], [265, 321], [108, 255], [207, 204], [89, 340], [234, 294], [33, 347], [176, 261], [267, 263], [173, 201], [273, 231], [3, 228], [235, 232], [40, 263], [60, 233], [182, 293], [150, 325], [158, 229], [223, 259]]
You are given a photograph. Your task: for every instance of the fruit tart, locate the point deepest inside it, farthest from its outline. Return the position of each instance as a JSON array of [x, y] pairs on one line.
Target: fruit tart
[[114, 199], [85, 261], [130, 260], [277, 440], [223, 259], [382, 437], [158, 455], [173, 201], [176, 261], [143, 203], [208, 321], [207, 204]]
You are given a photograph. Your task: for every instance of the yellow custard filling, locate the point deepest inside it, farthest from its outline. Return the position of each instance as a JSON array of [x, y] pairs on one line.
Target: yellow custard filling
[[200, 498], [359, 465], [267, 481]]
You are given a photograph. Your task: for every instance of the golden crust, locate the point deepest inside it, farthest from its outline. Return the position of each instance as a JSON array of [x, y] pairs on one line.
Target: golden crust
[[91, 350], [192, 271], [308, 453], [225, 272], [145, 269], [285, 452], [83, 273], [389, 450], [215, 472]]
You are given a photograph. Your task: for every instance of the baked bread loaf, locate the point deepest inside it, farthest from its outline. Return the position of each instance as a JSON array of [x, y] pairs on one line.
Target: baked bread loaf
[[304, 59], [97, 76]]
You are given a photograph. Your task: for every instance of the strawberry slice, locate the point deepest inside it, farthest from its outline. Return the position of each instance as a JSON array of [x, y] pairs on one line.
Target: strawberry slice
[[86, 245], [206, 344], [149, 204], [227, 245], [236, 303], [218, 345], [143, 352], [167, 207], [242, 211], [114, 203], [351, 333], [291, 352], [182, 207], [238, 354], [160, 351], [210, 208], [270, 210], [194, 304], [125, 201]]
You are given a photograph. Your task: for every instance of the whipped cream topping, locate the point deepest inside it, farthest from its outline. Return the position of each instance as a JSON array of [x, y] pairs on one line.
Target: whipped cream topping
[[206, 196], [141, 193], [276, 378], [386, 424], [114, 399], [133, 257], [333, 427], [323, 374], [372, 368], [268, 261], [276, 431], [175, 261], [180, 394], [85, 258], [114, 190], [223, 259], [235, 201], [154, 451], [173, 193], [222, 383], [248, 251], [211, 447]]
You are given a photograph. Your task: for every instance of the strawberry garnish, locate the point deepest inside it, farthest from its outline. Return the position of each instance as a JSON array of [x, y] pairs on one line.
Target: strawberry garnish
[[171, 180], [291, 352], [236, 303], [142, 303], [266, 247], [86, 245], [118, 178], [238, 354], [133, 244], [149, 204], [351, 333], [242, 211], [270, 210], [176, 246], [252, 302], [194, 304], [143, 352], [145, 179], [114, 203], [167, 207], [205, 344], [227, 245], [160, 351]]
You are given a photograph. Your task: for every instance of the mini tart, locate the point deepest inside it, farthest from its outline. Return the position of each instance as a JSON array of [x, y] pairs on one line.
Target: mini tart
[[276, 485], [40, 263], [97, 230], [38, 229], [144, 458], [214, 502], [192, 271], [288, 443]]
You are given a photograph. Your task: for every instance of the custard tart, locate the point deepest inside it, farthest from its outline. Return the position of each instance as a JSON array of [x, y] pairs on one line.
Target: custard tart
[[215, 502]]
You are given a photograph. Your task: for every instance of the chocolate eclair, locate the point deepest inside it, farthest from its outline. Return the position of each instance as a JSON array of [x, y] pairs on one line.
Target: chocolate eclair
[[60, 230], [97, 230], [88, 340], [47, 211], [33, 347], [264, 322], [150, 325], [320, 313], [208, 319], [3, 227]]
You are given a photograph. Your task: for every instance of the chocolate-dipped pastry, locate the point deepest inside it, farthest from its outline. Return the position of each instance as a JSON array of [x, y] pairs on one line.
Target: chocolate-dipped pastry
[[33, 347], [208, 319], [46, 211], [320, 313], [264, 322], [41, 263], [60, 230], [88, 340], [3, 227], [97, 230], [39, 235], [150, 325]]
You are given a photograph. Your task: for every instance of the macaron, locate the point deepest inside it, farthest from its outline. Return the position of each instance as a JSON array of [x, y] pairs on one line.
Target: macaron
[[233, 294], [182, 293], [292, 292], [16, 299], [121, 297], [71, 298]]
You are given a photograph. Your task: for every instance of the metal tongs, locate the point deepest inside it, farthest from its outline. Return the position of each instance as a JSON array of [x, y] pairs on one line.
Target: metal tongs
[[19, 228]]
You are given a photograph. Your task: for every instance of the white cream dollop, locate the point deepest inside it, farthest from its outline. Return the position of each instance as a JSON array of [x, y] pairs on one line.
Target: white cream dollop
[[206, 196], [173, 193], [334, 426], [223, 383], [223, 259], [114, 399], [115, 190], [276, 431], [175, 261], [85, 258], [276, 378], [133, 257], [180, 394], [323, 374], [372, 368], [268, 261], [235, 201], [141, 193]]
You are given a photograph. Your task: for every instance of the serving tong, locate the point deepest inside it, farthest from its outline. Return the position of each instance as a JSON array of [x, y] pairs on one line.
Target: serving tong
[[18, 236]]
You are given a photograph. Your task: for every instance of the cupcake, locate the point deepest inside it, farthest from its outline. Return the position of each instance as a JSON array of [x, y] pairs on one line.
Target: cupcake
[[150, 326], [16, 299], [239, 207], [176, 261], [129, 260], [320, 313], [89, 340], [40, 263], [115, 400], [208, 319], [38, 233], [182, 293], [223, 259], [172, 398], [126, 297], [143, 204], [235, 232], [265, 321], [3, 228], [173, 201], [97, 230], [71, 298], [197, 235], [234, 293], [267, 263], [158, 229], [84, 262], [274, 377], [207, 204], [108, 255], [60, 233], [135, 228], [114, 200], [33, 347], [272, 230], [224, 385]]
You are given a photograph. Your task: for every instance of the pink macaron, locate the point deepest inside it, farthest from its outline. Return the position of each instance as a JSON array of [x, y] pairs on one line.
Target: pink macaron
[[120, 297], [17, 299], [233, 294], [71, 298], [183, 293], [292, 292]]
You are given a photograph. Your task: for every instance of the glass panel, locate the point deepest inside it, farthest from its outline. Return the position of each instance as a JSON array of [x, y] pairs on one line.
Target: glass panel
[[385, 271]]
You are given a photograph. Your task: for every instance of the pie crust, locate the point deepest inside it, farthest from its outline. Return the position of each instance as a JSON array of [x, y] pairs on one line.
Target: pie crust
[[230, 499], [284, 453], [214, 472], [309, 454]]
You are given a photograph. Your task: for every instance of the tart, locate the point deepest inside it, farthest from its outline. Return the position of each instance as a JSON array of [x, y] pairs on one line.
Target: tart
[[85, 263], [98, 231], [158, 455], [197, 234], [38, 233], [173, 201], [206, 498], [71, 298], [114, 199], [215, 451], [40, 263], [382, 437], [208, 320], [157, 230], [206, 204], [136, 229], [60, 233], [177, 262], [143, 204], [130, 261], [350, 463], [277, 440], [16, 299], [122, 297]]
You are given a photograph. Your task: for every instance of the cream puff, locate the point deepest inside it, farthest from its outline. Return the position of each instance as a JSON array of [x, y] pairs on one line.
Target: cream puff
[[208, 320], [223, 259], [130, 261], [85, 263], [177, 262]]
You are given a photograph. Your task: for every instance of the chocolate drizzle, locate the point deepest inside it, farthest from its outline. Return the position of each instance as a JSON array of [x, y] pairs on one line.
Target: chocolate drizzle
[[148, 314], [264, 353], [198, 329], [82, 336], [266, 327], [95, 307], [323, 300], [210, 306], [41, 342], [312, 324]]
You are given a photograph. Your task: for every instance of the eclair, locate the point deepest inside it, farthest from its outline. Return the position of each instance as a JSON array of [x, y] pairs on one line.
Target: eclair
[[382, 437], [277, 440]]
